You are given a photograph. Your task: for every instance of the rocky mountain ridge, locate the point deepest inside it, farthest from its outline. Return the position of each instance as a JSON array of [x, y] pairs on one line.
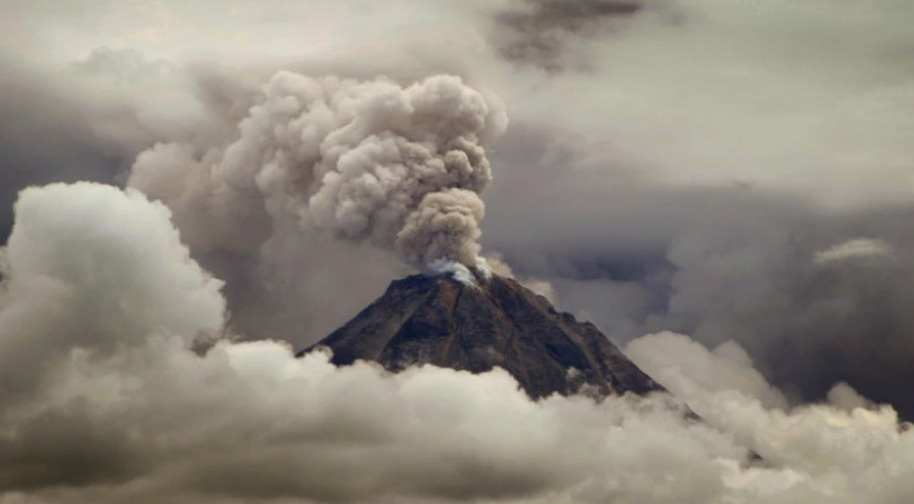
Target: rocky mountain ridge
[[477, 324]]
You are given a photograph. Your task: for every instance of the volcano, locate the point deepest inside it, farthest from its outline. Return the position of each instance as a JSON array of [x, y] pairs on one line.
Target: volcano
[[477, 324]]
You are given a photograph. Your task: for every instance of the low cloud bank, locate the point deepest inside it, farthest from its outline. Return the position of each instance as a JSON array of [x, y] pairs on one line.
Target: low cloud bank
[[102, 316]]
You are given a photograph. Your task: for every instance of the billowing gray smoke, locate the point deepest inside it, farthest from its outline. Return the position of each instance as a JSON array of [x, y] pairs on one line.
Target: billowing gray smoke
[[401, 168]]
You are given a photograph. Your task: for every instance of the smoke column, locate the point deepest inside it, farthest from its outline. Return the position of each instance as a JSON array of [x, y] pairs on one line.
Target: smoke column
[[398, 167]]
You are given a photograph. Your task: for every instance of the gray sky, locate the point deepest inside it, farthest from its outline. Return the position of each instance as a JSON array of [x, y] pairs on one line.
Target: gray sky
[[672, 166], [725, 187]]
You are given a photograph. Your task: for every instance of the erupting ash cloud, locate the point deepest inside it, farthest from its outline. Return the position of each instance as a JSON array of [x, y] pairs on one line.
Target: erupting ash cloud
[[399, 167]]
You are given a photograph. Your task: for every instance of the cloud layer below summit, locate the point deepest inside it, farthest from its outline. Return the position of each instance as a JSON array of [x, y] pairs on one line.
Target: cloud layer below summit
[[106, 400]]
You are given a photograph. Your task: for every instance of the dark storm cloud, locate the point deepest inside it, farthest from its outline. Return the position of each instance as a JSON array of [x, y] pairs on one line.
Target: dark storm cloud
[[724, 173], [816, 296], [44, 138], [539, 32], [89, 120]]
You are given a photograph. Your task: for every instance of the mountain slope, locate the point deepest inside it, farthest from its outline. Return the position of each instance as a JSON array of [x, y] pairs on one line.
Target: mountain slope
[[476, 326]]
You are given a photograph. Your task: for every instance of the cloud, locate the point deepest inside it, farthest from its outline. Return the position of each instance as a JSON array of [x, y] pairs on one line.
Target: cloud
[[399, 167], [859, 248], [80, 279], [130, 411], [679, 168], [319, 162], [651, 200], [698, 163], [683, 364], [553, 34]]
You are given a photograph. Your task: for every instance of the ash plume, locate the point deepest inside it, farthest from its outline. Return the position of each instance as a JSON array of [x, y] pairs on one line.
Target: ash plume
[[398, 167]]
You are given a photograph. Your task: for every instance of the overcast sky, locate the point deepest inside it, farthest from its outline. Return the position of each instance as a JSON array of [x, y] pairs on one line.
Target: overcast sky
[[741, 172]]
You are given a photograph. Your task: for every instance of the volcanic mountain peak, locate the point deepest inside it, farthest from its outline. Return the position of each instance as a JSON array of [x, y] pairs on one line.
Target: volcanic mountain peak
[[476, 326]]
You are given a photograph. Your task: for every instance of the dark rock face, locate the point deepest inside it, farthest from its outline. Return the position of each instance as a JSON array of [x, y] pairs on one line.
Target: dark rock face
[[497, 322]]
